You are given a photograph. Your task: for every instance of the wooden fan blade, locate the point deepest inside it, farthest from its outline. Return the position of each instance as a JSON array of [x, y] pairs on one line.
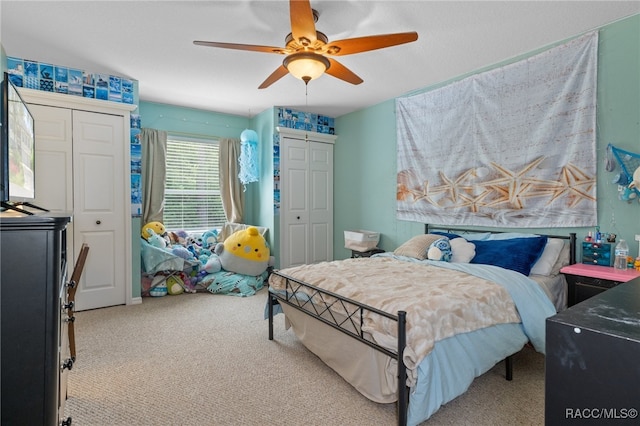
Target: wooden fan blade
[[338, 70], [275, 76], [364, 44], [302, 23], [236, 46]]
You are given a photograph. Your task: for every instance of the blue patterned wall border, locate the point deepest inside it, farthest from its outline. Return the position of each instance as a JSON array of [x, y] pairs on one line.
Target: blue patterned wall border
[[276, 174], [136, 166], [301, 120], [70, 81]]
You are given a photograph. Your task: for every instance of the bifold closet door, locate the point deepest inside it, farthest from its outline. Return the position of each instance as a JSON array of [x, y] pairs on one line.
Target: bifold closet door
[[54, 158], [294, 207], [99, 184], [54, 163], [320, 202], [306, 202]]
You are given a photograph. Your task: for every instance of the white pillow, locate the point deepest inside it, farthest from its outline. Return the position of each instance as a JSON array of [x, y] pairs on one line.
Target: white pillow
[[477, 236], [548, 258], [563, 259], [510, 235], [462, 251]]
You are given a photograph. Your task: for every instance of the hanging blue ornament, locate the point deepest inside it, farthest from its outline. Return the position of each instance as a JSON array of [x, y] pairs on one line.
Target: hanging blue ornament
[[249, 135], [248, 157]]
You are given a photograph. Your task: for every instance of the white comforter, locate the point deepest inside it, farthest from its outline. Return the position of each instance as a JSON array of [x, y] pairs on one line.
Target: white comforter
[[441, 299]]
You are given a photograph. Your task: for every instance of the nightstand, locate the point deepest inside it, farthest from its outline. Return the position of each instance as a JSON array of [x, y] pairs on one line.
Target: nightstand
[[585, 281], [368, 253]]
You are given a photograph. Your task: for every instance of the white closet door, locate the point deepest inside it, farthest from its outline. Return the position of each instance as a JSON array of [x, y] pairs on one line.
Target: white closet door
[[54, 164], [54, 157], [99, 181], [306, 201], [320, 202], [294, 208]]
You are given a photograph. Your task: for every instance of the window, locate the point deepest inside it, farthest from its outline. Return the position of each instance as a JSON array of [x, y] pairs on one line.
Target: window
[[192, 189]]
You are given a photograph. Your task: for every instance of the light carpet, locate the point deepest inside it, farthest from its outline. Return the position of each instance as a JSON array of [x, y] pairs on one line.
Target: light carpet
[[204, 359]]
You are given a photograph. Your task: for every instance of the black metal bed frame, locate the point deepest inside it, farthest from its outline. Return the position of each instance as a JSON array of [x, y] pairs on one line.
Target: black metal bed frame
[[347, 316]]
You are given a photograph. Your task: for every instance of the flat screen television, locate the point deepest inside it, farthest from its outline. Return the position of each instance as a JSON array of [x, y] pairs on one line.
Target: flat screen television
[[17, 150]]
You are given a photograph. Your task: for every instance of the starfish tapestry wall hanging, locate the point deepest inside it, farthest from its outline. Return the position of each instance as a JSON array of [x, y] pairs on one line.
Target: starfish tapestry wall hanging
[[513, 147]]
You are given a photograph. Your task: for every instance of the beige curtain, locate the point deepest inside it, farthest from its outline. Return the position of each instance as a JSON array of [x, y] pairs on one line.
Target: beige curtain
[[154, 173], [230, 186]]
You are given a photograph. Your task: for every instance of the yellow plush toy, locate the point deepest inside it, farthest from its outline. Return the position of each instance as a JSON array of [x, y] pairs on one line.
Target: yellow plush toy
[[156, 227], [244, 252]]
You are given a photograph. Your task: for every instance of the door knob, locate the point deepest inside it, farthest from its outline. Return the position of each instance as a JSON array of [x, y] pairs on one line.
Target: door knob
[[68, 363], [98, 222], [298, 217]]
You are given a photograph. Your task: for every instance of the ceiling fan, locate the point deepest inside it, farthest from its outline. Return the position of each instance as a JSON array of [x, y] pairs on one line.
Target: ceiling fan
[[309, 52]]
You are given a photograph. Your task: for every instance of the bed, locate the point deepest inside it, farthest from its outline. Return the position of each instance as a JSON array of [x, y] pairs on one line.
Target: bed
[[375, 322]]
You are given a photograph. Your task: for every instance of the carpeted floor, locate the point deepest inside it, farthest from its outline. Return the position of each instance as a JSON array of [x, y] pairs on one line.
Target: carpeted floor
[[203, 359]]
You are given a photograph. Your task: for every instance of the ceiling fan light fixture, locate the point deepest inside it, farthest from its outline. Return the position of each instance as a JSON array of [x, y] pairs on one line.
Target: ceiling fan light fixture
[[308, 50], [306, 66]]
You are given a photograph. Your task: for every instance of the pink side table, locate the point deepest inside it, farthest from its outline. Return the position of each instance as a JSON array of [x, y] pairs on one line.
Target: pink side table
[[585, 281]]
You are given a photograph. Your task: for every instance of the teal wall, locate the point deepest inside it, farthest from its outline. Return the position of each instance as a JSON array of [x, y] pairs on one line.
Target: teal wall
[[259, 200], [136, 260], [365, 152], [190, 121], [3, 59]]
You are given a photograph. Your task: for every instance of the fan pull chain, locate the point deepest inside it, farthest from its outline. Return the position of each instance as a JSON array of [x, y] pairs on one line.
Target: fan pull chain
[[306, 109]]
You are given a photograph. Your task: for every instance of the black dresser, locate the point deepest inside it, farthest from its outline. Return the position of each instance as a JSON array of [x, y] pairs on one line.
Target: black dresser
[[34, 347], [592, 369]]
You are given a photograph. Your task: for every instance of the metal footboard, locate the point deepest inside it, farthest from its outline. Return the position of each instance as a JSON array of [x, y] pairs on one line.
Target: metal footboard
[[347, 316]]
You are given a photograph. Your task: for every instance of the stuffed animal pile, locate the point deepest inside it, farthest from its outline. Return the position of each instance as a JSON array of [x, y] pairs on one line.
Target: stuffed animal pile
[[245, 252]]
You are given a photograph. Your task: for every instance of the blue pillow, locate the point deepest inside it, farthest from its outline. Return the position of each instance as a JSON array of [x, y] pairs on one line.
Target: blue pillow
[[517, 254], [470, 236], [446, 234]]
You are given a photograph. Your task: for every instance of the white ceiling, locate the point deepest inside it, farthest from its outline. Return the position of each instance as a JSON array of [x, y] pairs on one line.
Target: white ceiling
[[152, 42]]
